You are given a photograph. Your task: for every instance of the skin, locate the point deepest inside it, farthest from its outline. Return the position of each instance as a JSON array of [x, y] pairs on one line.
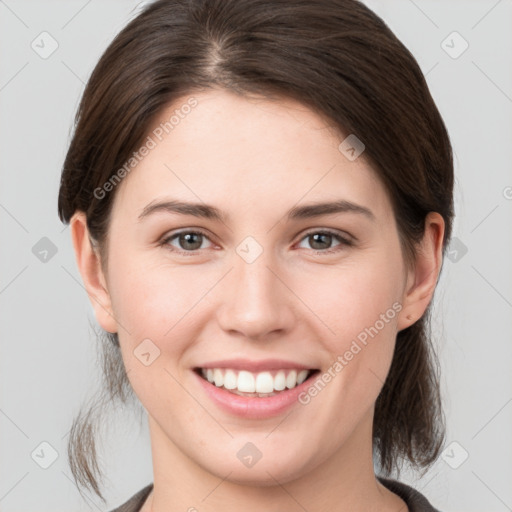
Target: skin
[[255, 159]]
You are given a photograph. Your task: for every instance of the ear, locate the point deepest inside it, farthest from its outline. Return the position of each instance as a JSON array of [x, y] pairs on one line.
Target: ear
[[422, 279], [89, 266]]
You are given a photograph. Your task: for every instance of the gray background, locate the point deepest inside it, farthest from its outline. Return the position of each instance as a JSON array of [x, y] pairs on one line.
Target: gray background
[[48, 364]]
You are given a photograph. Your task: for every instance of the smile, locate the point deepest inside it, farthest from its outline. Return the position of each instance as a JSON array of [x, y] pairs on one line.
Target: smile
[[260, 384], [251, 394]]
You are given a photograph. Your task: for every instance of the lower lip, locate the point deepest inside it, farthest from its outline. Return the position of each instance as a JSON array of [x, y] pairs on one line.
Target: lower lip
[[253, 407]]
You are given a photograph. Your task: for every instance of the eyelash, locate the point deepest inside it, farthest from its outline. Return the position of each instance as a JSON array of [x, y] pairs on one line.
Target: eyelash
[[165, 242]]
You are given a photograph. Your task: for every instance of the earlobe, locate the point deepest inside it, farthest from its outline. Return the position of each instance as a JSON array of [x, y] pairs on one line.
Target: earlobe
[[422, 279], [89, 266]]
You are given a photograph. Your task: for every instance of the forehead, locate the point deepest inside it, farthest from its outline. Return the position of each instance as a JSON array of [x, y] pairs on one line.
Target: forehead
[[249, 151]]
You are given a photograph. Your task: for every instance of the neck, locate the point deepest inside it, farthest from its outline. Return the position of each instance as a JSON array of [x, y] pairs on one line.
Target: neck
[[345, 481]]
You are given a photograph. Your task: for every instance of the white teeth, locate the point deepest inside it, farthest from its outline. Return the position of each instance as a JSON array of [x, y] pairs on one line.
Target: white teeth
[[291, 379], [218, 377], [230, 379], [263, 383], [301, 376], [246, 382], [279, 381]]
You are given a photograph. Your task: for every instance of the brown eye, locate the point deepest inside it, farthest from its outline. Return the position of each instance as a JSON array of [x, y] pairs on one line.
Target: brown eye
[[321, 241], [188, 241]]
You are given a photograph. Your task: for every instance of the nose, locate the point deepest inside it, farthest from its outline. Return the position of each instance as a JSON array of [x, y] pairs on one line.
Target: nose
[[257, 304]]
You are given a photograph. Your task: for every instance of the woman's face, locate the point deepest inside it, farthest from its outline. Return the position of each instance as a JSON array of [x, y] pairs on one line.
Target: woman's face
[[265, 288]]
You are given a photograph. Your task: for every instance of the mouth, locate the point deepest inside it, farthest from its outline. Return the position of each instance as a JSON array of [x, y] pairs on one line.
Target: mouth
[[261, 384]]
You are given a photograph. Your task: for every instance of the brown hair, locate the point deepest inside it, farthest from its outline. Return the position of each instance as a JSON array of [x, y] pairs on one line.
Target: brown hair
[[336, 57]]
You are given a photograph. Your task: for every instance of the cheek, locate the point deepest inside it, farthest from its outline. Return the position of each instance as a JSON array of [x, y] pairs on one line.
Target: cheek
[[352, 298], [151, 299], [159, 303], [155, 307], [361, 310], [359, 305]]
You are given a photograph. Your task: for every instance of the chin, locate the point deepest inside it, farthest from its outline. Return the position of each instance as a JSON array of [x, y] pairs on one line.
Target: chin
[[263, 473]]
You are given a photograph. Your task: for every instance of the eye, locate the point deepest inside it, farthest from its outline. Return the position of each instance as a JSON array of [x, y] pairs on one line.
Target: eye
[[188, 241], [320, 240], [191, 241]]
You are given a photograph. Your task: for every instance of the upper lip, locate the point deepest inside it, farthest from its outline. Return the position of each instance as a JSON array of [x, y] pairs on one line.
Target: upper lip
[[255, 366]]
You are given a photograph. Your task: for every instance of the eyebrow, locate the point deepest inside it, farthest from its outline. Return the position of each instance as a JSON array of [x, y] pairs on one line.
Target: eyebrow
[[206, 211]]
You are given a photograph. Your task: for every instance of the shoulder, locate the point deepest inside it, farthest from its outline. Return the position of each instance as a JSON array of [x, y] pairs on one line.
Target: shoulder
[[415, 501], [136, 501]]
